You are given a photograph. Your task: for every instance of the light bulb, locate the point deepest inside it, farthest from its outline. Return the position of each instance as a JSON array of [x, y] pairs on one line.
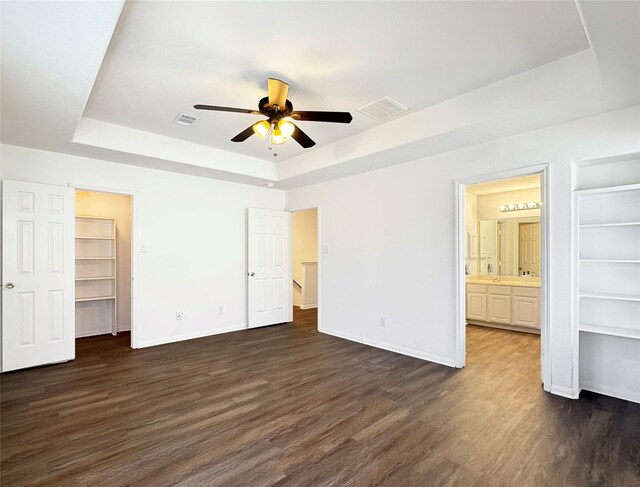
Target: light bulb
[[521, 206], [261, 128], [277, 138], [532, 204], [512, 206], [286, 128], [502, 208]]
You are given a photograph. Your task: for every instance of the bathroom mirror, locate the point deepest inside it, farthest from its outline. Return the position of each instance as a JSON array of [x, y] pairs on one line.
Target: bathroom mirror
[[509, 247]]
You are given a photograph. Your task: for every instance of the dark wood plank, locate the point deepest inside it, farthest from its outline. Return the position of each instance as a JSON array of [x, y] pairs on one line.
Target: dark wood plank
[[286, 405]]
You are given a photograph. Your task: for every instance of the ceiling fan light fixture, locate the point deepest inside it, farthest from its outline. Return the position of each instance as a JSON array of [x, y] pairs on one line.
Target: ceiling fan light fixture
[[277, 138], [286, 128], [261, 128]]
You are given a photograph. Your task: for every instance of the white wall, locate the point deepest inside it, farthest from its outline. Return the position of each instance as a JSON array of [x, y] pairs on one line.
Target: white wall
[[93, 203], [304, 232], [393, 231], [195, 230]]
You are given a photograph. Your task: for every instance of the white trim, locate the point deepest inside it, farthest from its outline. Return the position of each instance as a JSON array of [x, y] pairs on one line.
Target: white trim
[[134, 246], [308, 306], [564, 392], [608, 189], [626, 394], [431, 357], [319, 251], [188, 336], [460, 224]]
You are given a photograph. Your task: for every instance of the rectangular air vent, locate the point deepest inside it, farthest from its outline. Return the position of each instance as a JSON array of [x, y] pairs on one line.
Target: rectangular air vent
[[184, 119], [382, 108]]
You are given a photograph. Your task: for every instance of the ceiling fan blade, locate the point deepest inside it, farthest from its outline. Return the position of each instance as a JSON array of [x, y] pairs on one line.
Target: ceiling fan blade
[[333, 117], [278, 91], [301, 138], [244, 135], [226, 109]]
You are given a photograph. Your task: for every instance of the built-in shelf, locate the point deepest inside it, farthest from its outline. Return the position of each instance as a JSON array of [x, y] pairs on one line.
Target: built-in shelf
[[95, 258], [94, 278], [606, 225], [95, 238], [94, 298], [96, 262], [609, 261], [614, 296], [615, 331]]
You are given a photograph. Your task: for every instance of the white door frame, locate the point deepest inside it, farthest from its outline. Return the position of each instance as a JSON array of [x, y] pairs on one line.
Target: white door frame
[[460, 223], [319, 243], [134, 245]]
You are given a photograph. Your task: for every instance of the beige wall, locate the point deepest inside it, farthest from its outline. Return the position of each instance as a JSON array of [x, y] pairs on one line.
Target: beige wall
[[90, 203], [305, 240]]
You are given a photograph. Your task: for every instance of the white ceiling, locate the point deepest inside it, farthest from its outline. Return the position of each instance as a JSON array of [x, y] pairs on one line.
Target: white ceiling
[[504, 185], [165, 57], [469, 72]]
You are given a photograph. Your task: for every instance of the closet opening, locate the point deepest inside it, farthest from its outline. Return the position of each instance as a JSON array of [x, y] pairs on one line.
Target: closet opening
[[502, 286], [103, 265], [304, 268]]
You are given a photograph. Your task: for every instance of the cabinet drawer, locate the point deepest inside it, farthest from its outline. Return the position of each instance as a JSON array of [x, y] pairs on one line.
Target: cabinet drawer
[[476, 288], [531, 292], [506, 290]]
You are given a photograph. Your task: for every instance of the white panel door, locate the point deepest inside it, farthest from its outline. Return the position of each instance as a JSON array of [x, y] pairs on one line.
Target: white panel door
[[38, 320], [269, 267], [530, 248]]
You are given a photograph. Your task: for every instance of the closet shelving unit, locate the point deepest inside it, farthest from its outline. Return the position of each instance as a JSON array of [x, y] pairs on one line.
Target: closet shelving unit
[[608, 249], [96, 264]]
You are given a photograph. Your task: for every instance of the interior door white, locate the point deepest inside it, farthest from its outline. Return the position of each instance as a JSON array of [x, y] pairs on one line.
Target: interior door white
[[269, 267], [530, 248], [38, 319]]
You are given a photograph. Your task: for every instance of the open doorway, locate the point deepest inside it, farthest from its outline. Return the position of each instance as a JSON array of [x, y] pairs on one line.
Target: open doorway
[[304, 243], [103, 266], [502, 251]]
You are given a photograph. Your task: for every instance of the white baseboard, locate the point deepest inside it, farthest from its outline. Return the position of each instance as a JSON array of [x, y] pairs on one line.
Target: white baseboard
[[188, 336], [308, 306], [627, 395], [431, 357], [564, 392]]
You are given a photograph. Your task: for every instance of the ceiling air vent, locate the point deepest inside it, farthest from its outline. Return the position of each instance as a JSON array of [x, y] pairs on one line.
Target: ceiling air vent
[[382, 108], [184, 119]]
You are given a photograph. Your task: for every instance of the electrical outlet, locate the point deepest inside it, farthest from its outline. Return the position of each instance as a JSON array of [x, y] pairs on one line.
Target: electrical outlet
[[220, 310], [382, 320], [178, 315]]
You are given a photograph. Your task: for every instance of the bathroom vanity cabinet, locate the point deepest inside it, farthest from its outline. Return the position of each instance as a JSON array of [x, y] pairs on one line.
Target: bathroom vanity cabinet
[[504, 305]]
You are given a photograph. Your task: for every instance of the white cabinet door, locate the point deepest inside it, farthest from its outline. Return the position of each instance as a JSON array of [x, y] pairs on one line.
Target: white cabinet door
[[38, 271], [269, 266], [499, 308], [525, 311], [476, 306]]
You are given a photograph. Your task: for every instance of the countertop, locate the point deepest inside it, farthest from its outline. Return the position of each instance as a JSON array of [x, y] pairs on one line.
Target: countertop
[[505, 281]]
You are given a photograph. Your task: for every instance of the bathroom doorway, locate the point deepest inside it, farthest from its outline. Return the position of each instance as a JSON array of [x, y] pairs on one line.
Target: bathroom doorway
[[502, 253]]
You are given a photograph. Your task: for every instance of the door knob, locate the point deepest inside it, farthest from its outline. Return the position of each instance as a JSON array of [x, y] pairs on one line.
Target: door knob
[[10, 285], [252, 274]]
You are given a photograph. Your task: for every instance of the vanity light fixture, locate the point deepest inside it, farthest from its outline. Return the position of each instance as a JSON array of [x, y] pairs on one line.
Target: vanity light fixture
[[531, 205]]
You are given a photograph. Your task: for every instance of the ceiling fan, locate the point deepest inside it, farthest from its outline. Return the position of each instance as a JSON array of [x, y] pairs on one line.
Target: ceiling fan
[[280, 116]]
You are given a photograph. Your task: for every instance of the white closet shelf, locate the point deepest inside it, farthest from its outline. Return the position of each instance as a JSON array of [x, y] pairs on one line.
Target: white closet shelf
[[613, 296], [94, 278], [95, 258], [615, 331], [610, 261], [605, 225], [95, 298], [95, 238]]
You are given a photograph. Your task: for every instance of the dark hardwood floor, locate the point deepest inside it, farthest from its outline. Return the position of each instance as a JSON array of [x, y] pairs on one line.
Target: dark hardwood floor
[[286, 405]]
